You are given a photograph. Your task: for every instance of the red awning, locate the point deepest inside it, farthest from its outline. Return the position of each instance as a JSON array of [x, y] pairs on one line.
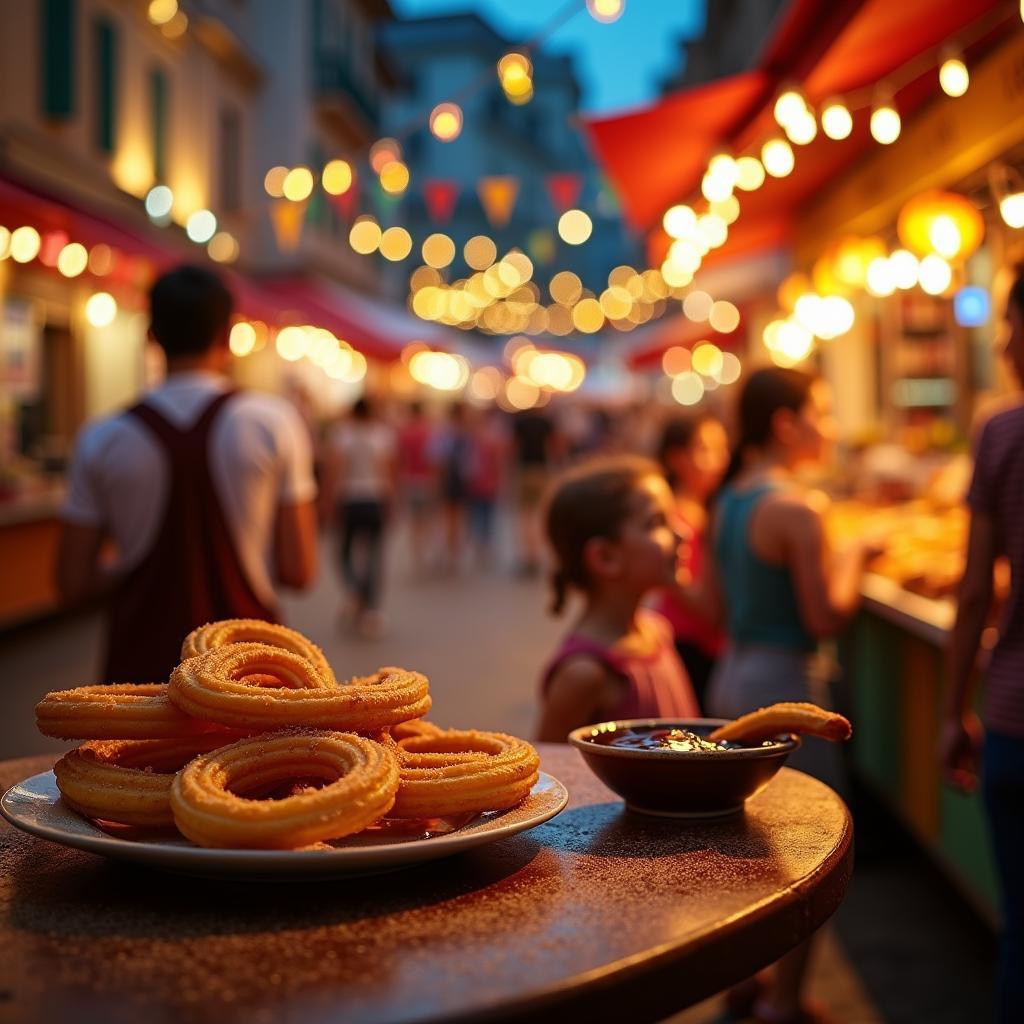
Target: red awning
[[656, 157], [22, 205], [309, 301]]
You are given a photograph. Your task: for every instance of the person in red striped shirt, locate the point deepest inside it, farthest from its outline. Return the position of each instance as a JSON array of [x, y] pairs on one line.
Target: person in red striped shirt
[[996, 502]]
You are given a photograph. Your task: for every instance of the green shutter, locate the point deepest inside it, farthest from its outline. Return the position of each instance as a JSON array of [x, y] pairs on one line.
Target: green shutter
[[58, 57], [106, 85], [158, 100]]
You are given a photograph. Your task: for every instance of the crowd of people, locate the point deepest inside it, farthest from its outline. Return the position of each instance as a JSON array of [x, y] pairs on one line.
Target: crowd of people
[[704, 579]]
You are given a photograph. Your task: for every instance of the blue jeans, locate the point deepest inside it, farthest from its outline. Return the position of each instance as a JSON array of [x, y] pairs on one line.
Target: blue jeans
[[1003, 780]]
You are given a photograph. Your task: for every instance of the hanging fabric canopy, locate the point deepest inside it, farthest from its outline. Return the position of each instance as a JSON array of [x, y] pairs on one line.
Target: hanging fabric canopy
[[657, 156]]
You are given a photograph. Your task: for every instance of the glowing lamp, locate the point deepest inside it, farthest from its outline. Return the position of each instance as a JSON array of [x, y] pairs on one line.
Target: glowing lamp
[[1011, 209], [941, 222]]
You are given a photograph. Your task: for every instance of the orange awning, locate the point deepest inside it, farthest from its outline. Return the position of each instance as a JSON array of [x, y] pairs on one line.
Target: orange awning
[[656, 157]]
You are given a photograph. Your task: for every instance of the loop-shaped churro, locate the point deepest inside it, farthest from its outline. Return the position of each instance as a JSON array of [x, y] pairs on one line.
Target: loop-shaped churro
[[785, 717], [128, 781], [237, 631], [414, 727], [121, 711], [229, 685], [457, 771], [210, 807]]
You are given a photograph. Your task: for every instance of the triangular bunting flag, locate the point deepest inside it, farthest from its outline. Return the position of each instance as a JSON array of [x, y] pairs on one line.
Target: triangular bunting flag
[[440, 196], [564, 190], [498, 196], [287, 218]]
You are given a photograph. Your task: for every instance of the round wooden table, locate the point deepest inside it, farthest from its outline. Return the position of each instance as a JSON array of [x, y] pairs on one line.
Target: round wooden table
[[598, 912]]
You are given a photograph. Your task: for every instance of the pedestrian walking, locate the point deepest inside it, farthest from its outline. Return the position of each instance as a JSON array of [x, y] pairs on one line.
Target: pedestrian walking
[[609, 523], [996, 503], [417, 481], [205, 491], [360, 482]]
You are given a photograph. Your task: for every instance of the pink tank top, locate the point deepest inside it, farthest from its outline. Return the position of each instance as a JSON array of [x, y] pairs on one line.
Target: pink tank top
[[658, 686]]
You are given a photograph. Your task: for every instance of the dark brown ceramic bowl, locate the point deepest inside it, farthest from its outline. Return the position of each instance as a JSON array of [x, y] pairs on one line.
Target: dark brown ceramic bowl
[[680, 784]]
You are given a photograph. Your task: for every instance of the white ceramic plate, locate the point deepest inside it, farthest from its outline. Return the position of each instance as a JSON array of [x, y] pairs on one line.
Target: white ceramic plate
[[35, 806]]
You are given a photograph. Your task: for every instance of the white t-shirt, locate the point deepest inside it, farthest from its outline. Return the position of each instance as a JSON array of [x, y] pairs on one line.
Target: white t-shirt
[[367, 450], [260, 459]]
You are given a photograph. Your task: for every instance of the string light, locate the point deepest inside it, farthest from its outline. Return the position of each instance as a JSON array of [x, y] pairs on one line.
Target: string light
[[885, 121], [364, 236], [606, 11], [24, 244], [1011, 209], [162, 11], [159, 203], [789, 107], [574, 227], [749, 173], [446, 121], [298, 184], [777, 157], [836, 120], [100, 309], [201, 226], [73, 259], [337, 177], [394, 177], [953, 76], [679, 221]]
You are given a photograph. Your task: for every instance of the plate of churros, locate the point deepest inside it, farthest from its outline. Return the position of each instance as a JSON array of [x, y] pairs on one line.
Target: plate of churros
[[254, 760]]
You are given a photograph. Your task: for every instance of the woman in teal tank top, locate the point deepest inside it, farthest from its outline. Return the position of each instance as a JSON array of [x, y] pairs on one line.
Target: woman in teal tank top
[[781, 588]]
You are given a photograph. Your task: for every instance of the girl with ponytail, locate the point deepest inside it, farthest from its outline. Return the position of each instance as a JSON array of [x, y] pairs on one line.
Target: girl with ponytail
[[611, 526]]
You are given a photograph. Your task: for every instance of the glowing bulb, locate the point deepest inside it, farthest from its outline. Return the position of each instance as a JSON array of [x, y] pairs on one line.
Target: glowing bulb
[[777, 157], [273, 181], [885, 123], [802, 130], [162, 11], [242, 339], [1011, 209], [679, 221], [24, 244], [953, 77], [298, 184], [223, 247], [945, 236], [880, 278], [688, 388], [395, 244], [73, 259], [394, 177], [446, 121], [715, 188], [337, 177], [159, 202], [934, 274], [574, 227], [201, 226], [365, 236], [750, 173], [438, 251], [383, 152], [100, 309], [836, 120], [606, 11], [905, 268], [789, 107]]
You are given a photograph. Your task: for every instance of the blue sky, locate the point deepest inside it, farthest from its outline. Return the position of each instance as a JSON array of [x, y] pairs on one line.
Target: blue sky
[[619, 65]]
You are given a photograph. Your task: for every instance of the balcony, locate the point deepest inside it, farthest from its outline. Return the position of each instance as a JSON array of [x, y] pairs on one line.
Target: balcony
[[346, 106]]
